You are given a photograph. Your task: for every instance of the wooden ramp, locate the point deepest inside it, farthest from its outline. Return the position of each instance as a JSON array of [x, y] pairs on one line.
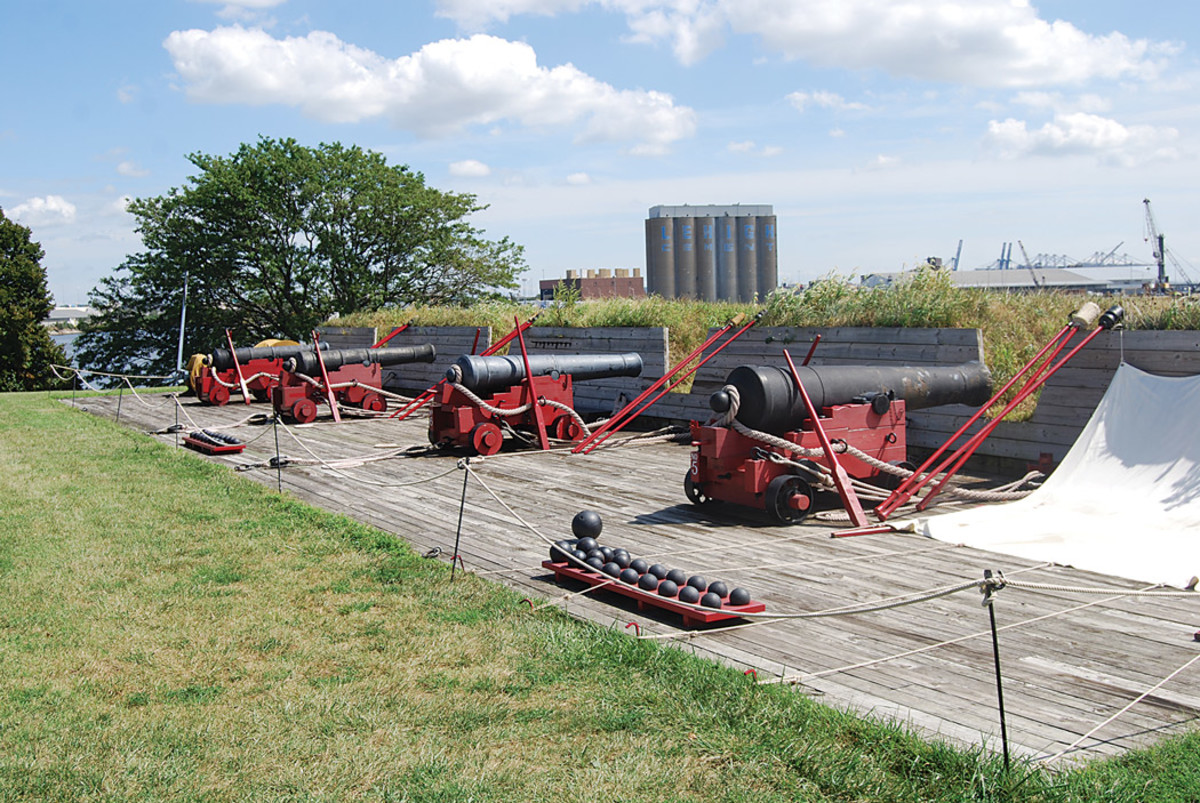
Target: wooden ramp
[[1069, 661]]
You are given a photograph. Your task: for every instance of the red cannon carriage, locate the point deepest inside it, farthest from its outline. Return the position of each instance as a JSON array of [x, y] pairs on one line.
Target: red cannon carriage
[[347, 377]]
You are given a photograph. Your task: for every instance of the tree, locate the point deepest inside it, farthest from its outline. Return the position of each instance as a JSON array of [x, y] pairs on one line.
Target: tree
[[26, 350], [278, 238]]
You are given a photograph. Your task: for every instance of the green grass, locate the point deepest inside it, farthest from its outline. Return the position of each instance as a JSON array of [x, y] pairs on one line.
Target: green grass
[[172, 631], [1015, 326]]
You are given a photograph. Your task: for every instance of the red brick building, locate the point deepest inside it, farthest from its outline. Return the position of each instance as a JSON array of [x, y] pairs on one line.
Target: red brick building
[[598, 283]]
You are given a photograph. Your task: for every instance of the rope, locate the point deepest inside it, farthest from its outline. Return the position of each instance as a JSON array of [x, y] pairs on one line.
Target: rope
[[729, 419], [1115, 716], [75, 370]]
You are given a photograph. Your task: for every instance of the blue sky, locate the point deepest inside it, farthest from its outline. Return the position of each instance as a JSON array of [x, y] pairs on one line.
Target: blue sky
[[882, 131]]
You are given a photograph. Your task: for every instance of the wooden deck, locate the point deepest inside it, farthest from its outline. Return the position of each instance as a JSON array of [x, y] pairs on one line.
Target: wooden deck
[[1069, 662]]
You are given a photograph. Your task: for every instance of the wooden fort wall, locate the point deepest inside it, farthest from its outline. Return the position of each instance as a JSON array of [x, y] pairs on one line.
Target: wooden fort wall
[[1066, 402]]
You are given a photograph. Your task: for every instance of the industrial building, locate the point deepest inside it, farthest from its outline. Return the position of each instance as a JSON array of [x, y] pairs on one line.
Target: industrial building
[[598, 283], [712, 253]]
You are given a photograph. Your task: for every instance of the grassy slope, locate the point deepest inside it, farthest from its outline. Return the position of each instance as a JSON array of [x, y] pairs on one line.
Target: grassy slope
[[1015, 326], [174, 632]]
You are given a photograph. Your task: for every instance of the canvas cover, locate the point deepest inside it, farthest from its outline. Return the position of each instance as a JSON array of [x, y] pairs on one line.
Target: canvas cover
[[1125, 501]]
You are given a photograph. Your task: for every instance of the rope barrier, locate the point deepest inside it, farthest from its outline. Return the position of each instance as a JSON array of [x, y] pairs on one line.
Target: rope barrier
[[1073, 745]]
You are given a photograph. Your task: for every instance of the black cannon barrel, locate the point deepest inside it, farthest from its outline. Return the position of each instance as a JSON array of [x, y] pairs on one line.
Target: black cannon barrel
[[770, 402], [306, 362], [487, 374], [222, 359]]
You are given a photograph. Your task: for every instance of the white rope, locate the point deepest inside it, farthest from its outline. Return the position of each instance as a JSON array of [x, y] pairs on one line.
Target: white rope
[[1115, 716]]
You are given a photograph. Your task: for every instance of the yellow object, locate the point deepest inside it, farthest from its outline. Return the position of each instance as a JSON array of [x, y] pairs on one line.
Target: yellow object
[[197, 364]]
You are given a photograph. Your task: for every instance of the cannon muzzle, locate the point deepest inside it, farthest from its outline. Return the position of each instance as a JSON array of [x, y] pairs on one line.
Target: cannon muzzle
[[488, 374], [306, 361], [770, 402]]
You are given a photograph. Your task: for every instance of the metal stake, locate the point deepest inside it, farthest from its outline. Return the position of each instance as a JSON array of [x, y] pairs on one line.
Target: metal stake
[[466, 463], [120, 397], [987, 603], [278, 463]]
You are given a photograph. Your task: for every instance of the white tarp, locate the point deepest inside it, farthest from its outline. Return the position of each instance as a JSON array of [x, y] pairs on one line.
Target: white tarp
[[1125, 501]]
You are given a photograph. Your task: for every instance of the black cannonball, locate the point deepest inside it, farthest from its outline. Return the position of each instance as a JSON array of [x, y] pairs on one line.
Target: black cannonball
[[697, 582], [710, 600], [579, 553], [629, 576], [622, 559], [557, 553], [648, 582], [739, 596], [720, 401], [608, 552], [640, 566], [611, 569], [595, 561], [719, 588], [587, 523], [587, 544], [668, 588], [597, 553], [677, 576], [658, 570], [689, 595]]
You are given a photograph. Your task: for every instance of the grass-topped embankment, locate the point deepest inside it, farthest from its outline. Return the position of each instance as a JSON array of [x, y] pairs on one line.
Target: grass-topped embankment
[[172, 631], [1015, 326]]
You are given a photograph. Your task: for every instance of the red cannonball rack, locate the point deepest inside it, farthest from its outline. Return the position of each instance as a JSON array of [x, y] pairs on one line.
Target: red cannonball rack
[[209, 448], [693, 616]]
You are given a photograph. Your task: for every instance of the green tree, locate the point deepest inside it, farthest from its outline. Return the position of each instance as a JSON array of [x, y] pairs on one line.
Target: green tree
[[26, 350], [278, 238]]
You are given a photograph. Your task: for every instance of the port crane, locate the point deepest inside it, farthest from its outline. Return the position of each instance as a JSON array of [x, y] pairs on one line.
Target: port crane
[[1160, 251]]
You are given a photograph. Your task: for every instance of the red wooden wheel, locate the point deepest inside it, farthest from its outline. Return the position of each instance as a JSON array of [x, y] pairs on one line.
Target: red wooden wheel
[[373, 402], [219, 395], [487, 438], [305, 411]]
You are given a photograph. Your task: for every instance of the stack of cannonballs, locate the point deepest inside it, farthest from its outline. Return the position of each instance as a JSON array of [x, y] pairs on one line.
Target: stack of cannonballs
[[617, 563]]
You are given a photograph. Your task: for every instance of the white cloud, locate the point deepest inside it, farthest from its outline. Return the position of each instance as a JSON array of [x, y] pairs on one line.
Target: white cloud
[[749, 146], [1056, 101], [1001, 43], [882, 162], [242, 9], [132, 170], [1082, 133], [127, 93], [471, 168], [741, 147], [837, 133], [825, 100], [43, 211], [579, 179], [121, 204], [442, 88]]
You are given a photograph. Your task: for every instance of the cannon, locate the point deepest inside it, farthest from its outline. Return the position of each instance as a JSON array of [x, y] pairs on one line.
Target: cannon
[[253, 370], [765, 453], [348, 377], [483, 395]]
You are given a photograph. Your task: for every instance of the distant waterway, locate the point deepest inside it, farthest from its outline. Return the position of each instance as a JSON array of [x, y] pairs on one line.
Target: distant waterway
[[67, 341]]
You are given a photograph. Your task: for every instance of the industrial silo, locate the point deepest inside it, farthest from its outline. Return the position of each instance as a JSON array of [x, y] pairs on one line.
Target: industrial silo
[[706, 258], [768, 259], [685, 257], [660, 257], [747, 259], [711, 252], [727, 259]]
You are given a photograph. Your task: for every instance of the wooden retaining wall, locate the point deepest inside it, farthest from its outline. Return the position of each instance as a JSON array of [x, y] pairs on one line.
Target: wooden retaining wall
[[1066, 402], [591, 396]]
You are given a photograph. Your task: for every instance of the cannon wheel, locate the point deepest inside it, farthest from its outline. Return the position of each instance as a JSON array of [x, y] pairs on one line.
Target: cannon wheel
[[567, 428], [374, 403], [695, 492], [890, 482], [788, 499], [304, 411], [487, 438], [219, 395]]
